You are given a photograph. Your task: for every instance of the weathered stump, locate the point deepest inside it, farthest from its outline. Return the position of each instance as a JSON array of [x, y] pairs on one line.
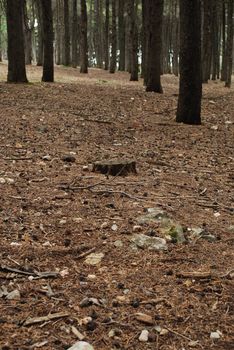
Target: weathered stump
[[117, 167]]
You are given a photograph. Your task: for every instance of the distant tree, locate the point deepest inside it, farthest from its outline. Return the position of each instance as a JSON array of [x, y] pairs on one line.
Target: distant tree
[[106, 34], [207, 40], [153, 18], [113, 38], [74, 34], [133, 36], [229, 47], [66, 40], [39, 56], [121, 34], [15, 50], [190, 91], [48, 51], [83, 38]]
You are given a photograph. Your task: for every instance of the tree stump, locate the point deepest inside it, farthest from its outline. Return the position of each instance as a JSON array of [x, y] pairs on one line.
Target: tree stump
[[118, 167]]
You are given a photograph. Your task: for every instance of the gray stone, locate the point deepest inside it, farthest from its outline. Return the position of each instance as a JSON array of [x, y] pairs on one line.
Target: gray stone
[[81, 345], [152, 243]]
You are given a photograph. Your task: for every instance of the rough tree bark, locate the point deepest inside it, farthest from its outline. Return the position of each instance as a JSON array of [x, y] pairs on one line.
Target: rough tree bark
[[48, 51], [154, 19], [39, 34], [206, 47], [83, 38], [15, 49], [190, 91]]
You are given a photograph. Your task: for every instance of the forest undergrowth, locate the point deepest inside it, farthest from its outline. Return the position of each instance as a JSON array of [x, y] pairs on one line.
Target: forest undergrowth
[[55, 212]]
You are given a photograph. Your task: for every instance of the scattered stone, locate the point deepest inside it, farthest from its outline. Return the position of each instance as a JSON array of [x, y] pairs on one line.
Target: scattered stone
[[104, 225], [68, 158], [46, 157], [117, 167], [147, 319], [215, 335], [77, 220], [2, 180], [152, 243], [118, 244], [193, 343], [164, 331], [77, 333], [114, 227], [153, 215], [214, 127], [14, 295], [63, 221], [231, 228], [81, 345], [158, 328], [217, 214], [137, 228], [91, 277], [176, 232], [115, 332], [94, 258], [144, 336]]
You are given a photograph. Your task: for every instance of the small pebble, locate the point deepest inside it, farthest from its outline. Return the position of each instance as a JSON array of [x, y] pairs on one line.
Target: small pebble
[[144, 336]]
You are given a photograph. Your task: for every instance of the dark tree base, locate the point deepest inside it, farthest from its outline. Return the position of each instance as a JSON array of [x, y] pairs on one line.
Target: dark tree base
[[115, 167]]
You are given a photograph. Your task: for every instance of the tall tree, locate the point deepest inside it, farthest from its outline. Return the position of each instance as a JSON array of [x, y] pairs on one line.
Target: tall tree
[[39, 55], [48, 51], [113, 38], [107, 25], [66, 59], [15, 50], [133, 33], [207, 36], [154, 19], [121, 35], [229, 48], [83, 38], [190, 91], [74, 34]]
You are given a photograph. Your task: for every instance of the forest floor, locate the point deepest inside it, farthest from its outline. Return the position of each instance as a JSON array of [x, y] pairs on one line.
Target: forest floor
[[54, 214]]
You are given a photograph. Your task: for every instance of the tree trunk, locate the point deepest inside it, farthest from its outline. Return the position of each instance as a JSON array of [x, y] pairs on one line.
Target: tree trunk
[[39, 34], [113, 38], [229, 50], [214, 40], [48, 57], [66, 60], [224, 58], [27, 36], [121, 32], [83, 38], [15, 50], [107, 25], [0, 37], [132, 15], [207, 37], [154, 18], [74, 34], [99, 32], [190, 91]]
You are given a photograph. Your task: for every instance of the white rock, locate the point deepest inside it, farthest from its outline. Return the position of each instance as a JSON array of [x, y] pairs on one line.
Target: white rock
[[81, 345], [137, 228], [144, 336], [118, 244], [217, 214], [114, 227], [2, 180], [91, 277], [94, 258], [215, 335], [104, 225]]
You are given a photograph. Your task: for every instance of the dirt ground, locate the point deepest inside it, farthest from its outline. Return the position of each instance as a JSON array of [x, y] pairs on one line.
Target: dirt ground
[[54, 213]]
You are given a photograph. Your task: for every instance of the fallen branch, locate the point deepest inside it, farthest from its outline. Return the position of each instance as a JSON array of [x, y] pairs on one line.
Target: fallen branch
[[35, 274], [33, 320]]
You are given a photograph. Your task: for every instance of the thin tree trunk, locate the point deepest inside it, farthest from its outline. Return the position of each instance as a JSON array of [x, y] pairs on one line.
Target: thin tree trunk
[[48, 59], [15, 50], [113, 38], [66, 61], [39, 34], [224, 58], [190, 91], [107, 25], [132, 15], [83, 39], [74, 34], [229, 51], [207, 37], [121, 32]]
